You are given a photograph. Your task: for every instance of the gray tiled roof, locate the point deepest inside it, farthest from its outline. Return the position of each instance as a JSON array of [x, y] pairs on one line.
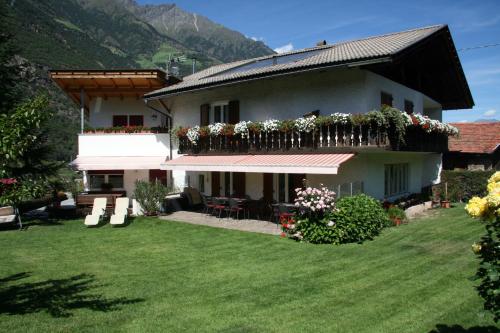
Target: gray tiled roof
[[343, 52]]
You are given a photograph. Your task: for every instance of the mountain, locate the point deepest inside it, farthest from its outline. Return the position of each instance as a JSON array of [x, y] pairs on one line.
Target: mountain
[[81, 34]]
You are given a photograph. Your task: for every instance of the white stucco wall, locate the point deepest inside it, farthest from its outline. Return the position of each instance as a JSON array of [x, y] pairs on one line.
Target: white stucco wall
[[102, 111], [118, 144]]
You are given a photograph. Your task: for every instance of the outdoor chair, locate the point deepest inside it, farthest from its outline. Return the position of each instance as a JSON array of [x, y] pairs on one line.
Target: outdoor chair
[[219, 206], [234, 206], [10, 214], [98, 211], [208, 204], [121, 212], [275, 213]]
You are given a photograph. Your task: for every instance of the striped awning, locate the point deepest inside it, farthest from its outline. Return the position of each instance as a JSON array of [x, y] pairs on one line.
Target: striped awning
[[117, 162], [268, 163]]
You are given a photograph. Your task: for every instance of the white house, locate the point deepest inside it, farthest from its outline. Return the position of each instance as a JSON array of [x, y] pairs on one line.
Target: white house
[[417, 71]]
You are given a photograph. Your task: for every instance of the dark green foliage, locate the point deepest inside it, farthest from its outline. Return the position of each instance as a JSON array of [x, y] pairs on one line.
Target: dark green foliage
[[356, 219], [489, 269], [150, 196], [463, 185], [396, 126]]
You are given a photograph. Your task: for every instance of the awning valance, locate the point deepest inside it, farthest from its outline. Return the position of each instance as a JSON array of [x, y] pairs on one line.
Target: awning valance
[[117, 162], [269, 163]]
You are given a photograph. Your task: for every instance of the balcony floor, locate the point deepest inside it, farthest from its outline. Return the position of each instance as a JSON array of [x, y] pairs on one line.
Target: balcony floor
[[258, 226]]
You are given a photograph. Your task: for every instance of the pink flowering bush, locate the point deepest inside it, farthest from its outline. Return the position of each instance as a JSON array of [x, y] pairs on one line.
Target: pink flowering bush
[[321, 220]]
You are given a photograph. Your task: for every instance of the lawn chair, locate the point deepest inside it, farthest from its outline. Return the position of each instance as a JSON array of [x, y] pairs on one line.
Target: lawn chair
[[98, 211], [121, 212], [10, 214], [234, 206]]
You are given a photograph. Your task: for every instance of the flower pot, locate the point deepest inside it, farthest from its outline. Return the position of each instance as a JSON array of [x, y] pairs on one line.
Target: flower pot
[[445, 204]]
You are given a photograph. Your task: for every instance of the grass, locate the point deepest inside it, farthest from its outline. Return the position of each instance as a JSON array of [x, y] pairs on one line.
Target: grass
[[159, 276]]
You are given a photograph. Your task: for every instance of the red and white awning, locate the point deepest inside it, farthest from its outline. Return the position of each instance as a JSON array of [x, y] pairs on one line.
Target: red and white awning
[[269, 163], [118, 162]]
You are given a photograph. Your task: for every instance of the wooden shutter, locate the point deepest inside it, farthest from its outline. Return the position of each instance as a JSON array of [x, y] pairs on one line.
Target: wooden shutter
[[234, 112], [385, 99], [239, 184], [136, 120], [119, 120], [204, 114]]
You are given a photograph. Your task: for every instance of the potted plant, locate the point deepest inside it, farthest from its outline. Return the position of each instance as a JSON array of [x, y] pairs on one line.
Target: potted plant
[[397, 215]]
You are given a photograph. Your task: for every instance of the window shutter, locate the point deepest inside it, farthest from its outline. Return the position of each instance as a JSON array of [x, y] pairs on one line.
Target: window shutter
[[204, 114], [234, 112]]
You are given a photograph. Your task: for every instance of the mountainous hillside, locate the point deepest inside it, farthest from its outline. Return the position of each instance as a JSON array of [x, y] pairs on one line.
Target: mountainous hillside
[[91, 34]]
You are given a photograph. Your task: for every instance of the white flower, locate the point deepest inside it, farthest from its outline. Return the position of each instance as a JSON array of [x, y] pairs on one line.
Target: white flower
[[331, 223], [242, 128], [305, 124], [193, 134], [341, 118], [270, 125], [216, 129], [407, 119]]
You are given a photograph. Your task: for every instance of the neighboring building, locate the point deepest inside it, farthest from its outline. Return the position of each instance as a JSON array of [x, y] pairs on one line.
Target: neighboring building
[[477, 147], [417, 70]]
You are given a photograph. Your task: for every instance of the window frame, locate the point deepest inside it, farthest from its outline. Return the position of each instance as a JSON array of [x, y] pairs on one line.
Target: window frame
[[396, 179], [408, 102], [128, 117], [223, 111], [386, 94], [106, 180]]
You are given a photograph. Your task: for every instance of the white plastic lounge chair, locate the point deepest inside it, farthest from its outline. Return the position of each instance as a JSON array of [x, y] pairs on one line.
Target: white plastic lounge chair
[[121, 211], [10, 214], [98, 210]]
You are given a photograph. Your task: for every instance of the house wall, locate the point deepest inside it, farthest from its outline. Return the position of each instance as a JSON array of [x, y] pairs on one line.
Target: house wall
[[102, 111], [118, 144]]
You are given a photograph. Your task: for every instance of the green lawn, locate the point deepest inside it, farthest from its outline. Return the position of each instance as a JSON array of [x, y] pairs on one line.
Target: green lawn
[[158, 276]]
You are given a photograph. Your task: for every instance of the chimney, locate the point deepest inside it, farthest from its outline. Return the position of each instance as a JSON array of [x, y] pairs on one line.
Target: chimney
[[321, 43]]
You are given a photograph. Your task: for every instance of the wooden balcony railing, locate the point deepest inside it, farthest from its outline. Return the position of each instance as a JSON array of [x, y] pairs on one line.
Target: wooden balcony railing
[[333, 138]]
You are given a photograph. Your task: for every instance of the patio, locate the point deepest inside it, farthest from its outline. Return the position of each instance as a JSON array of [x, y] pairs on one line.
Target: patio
[[249, 225]]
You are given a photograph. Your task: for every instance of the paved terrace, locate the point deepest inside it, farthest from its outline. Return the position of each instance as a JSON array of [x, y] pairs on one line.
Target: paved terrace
[[263, 227]]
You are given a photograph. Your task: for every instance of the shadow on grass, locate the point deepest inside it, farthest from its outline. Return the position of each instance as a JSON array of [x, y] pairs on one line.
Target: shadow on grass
[[57, 297], [440, 328]]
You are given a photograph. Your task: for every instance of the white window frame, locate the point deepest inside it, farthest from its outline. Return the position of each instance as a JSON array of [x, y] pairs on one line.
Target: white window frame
[[106, 180], [222, 104], [396, 179]]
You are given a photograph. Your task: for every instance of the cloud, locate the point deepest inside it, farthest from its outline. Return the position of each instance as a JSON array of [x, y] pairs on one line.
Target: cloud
[[285, 48], [490, 113]]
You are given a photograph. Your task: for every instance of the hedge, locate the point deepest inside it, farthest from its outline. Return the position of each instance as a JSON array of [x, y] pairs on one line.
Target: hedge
[[464, 184]]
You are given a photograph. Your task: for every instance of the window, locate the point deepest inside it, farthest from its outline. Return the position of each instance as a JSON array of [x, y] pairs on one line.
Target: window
[[385, 99], [136, 120], [201, 183], [220, 113], [124, 120], [96, 181], [119, 121], [408, 106], [396, 179]]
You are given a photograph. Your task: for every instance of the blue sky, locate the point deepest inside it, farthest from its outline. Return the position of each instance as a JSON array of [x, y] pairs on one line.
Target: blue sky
[[297, 24]]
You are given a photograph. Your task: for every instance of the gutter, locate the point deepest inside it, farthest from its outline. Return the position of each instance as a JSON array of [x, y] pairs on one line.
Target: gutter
[[161, 95]]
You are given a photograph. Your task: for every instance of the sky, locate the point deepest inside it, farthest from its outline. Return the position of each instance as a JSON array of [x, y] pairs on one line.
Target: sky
[[295, 24]]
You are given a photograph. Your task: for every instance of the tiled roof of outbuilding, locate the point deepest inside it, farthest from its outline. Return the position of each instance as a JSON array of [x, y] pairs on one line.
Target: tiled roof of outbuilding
[[476, 138]]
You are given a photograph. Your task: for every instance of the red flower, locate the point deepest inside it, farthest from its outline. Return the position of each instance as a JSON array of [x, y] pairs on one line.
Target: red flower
[[283, 235], [8, 181], [414, 120]]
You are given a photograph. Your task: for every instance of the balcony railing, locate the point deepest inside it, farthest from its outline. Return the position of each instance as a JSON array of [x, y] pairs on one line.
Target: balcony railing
[[331, 137]]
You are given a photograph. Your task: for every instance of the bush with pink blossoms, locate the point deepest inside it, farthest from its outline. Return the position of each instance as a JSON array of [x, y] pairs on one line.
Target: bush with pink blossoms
[[314, 200]]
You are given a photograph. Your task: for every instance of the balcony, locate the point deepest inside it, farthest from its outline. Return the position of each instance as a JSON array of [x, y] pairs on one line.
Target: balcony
[[123, 144], [325, 138]]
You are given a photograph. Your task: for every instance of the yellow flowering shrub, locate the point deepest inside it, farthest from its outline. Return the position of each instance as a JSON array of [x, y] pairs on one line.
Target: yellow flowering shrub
[[488, 209]]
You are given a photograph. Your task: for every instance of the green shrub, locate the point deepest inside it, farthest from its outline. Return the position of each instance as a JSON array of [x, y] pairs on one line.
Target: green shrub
[[396, 212], [463, 185], [150, 196], [355, 219]]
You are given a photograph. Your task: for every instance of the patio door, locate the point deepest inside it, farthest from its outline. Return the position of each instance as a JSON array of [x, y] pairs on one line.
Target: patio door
[[294, 181], [215, 184], [239, 184], [268, 187], [158, 175]]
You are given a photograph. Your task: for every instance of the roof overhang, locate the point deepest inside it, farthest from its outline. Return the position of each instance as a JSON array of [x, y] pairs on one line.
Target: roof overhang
[[268, 163], [110, 83], [86, 163]]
